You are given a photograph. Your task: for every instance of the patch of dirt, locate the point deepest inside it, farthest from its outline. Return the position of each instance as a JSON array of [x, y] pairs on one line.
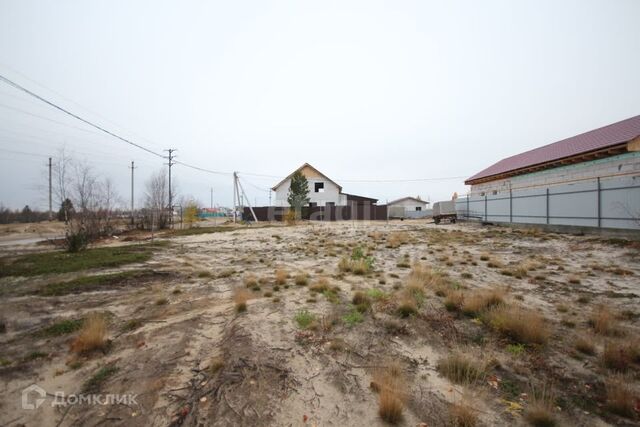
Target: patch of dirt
[[191, 358]]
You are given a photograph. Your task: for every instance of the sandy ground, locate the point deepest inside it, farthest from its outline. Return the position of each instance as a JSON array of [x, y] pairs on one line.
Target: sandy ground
[[16, 236], [273, 372]]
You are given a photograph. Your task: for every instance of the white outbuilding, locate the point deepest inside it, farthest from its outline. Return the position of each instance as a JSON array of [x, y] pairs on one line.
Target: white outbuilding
[[408, 207]]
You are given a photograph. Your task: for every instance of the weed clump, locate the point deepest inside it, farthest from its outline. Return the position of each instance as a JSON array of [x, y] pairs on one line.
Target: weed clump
[[461, 368], [520, 324], [92, 335], [482, 300], [462, 414], [360, 298], [353, 317], [619, 356], [584, 345], [407, 307], [358, 263], [390, 384], [304, 319], [620, 397], [281, 276], [454, 300], [603, 321], [301, 279], [539, 412], [240, 298], [250, 280]]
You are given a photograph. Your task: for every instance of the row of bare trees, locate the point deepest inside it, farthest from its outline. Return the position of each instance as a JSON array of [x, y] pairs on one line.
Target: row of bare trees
[[88, 202]]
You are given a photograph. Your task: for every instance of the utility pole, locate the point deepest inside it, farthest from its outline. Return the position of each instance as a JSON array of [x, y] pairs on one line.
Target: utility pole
[[235, 194], [50, 187], [269, 197], [244, 195], [211, 198], [132, 211], [171, 163]]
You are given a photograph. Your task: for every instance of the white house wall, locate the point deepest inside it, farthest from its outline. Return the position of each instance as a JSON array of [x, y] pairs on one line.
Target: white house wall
[[331, 193]]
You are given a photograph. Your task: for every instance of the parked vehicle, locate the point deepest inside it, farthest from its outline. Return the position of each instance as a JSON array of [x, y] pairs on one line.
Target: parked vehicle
[[444, 210]]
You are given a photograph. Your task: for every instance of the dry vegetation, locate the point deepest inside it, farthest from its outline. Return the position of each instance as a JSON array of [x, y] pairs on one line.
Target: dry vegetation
[[329, 324], [92, 336]]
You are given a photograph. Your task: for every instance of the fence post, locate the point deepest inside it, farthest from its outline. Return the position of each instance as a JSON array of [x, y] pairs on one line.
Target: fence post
[[485, 208], [599, 204], [468, 196], [510, 205], [547, 206]]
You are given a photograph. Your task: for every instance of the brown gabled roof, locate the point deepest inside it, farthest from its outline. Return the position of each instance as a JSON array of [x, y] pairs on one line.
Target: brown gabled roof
[[552, 155], [309, 166], [408, 198]]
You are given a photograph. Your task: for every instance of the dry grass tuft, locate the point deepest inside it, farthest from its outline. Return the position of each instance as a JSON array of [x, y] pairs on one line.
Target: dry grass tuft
[[397, 238], [428, 277], [250, 280], [463, 414], [360, 298], [482, 300], [301, 279], [454, 300], [619, 356], [92, 336], [584, 344], [520, 324], [462, 368], [281, 276], [320, 285], [540, 411], [407, 307], [621, 399], [390, 383], [603, 321], [240, 297]]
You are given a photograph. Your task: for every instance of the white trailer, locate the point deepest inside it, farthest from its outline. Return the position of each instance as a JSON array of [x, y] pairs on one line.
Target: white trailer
[[444, 210]]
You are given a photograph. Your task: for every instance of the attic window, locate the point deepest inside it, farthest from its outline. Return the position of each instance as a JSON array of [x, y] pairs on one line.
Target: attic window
[[319, 187]]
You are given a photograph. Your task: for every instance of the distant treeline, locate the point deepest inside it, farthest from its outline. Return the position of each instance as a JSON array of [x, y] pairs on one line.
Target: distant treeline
[[26, 214]]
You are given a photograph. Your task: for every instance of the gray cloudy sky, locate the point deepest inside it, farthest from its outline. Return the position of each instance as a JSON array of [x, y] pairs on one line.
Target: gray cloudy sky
[[363, 90]]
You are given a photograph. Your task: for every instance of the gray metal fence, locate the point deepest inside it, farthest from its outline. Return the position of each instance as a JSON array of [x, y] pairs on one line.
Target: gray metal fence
[[607, 203]]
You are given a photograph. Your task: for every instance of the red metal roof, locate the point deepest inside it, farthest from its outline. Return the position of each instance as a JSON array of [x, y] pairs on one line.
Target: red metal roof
[[607, 136]]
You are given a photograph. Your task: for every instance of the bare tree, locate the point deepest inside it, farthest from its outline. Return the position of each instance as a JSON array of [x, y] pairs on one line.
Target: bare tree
[[61, 171], [157, 210], [110, 198], [85, 188]]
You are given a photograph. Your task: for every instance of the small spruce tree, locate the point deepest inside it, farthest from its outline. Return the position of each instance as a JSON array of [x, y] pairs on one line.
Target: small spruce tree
[[298, 192]]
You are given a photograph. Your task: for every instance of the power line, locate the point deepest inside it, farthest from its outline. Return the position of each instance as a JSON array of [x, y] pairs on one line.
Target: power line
[[27, 91], [401, 180], [52, 104], [47, 119], [77, 104], [202, 169], [23, 152]]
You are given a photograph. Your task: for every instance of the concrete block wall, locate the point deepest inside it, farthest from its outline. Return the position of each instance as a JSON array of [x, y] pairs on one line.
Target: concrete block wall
[[615, 165], [602, 201]]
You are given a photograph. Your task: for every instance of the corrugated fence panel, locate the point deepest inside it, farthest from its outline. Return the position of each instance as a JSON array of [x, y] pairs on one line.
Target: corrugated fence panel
[[530, 206], [620, 203], [615, 205]]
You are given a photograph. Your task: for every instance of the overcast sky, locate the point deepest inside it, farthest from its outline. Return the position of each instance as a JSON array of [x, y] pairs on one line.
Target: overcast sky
[[362, 90]]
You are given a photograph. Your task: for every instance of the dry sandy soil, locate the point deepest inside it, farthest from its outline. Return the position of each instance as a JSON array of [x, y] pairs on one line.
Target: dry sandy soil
[[306, 353]]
